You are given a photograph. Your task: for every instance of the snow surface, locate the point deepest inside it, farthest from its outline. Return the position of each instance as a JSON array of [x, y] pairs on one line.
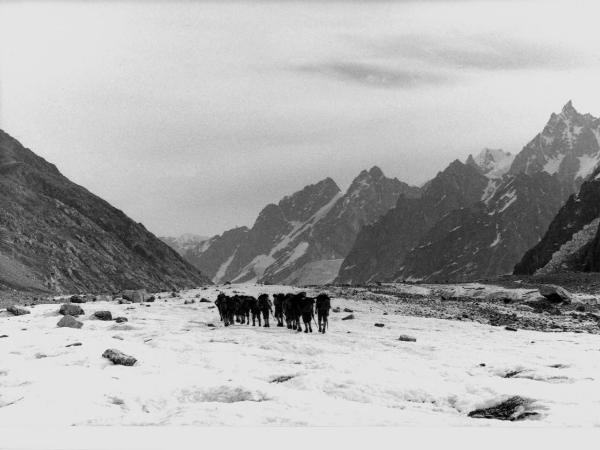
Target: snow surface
[[356, 374]]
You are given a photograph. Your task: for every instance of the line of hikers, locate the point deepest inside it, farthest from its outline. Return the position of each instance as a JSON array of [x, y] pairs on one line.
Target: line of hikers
[[291, 309]]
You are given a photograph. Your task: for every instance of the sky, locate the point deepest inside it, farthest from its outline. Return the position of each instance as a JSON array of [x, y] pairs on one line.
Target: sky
[[191, 116]]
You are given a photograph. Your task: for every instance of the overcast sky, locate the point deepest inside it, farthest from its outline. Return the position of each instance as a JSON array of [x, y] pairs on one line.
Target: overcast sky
[[192, 116]]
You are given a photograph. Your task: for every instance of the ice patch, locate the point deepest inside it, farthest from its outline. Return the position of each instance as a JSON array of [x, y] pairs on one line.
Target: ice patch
[[553, 164], [587, 164]]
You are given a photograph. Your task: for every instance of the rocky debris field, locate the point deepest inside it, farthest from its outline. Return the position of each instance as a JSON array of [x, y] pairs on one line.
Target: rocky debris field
[[172, 362], [516, 308]]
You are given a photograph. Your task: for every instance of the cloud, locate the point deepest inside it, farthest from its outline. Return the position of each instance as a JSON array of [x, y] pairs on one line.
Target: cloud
[[375, 75], [482, 52]]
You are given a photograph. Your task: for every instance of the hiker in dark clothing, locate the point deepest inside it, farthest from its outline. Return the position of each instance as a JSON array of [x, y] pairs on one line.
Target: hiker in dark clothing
[[265, 306], [278, 304], [323, 305]]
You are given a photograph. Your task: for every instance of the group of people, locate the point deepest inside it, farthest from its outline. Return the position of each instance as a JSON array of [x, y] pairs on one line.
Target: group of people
[[289, 310]]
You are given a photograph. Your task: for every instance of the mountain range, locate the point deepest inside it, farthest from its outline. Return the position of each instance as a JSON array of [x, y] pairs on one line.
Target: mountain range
[[478, 218], [304, 238], [475, 219], [56, 236]]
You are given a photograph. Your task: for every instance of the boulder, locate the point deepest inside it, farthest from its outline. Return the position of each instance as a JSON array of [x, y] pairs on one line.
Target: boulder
[[70, 309], [406, 338], [348, 317], [17, 310], [69, 322], [121, 319], [555, 294], [136, 296], [103, 315], [515, 408], [118, 357], [77, 299]]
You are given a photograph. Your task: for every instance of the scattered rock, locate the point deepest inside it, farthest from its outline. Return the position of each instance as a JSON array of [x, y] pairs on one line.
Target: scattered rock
[[348, 317], [515, 408], [336, 310], [189, 302], [121, 319], [204, 300], [136, 296], [4, 336], [150, 299], [70, 310], [77, 299], [282, 379], [69, 322], [103, 315], [17, 310], [40, 355], [120, 338], [385, 314], [482, 365], [211, 307], [580, 308], [510, 329], [555, 294], [406, 338], [348, 310], [74, 344], [380, 325], [210, 325], [118, 357]]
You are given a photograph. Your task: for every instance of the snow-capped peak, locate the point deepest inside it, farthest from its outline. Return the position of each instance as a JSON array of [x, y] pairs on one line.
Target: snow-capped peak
[[493, 162]]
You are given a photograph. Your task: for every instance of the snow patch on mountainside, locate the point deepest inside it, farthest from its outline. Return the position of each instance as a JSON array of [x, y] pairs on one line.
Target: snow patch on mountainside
[[494, 162], [223, 269], [553, 164], [256, 267], [587, 164], [577, 241]]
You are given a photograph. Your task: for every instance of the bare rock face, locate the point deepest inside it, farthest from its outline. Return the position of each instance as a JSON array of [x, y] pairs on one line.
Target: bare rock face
[[71, 310], [17, 310], [57, 236], [103, 315], [555, 294], [118, 357], [69, 322]]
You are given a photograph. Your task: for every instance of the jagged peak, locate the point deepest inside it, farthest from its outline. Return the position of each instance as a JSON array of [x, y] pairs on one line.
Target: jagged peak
[[376, 172], [568, 108]]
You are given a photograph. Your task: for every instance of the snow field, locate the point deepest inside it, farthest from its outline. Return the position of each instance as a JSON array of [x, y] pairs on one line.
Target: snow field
[[357, 374]]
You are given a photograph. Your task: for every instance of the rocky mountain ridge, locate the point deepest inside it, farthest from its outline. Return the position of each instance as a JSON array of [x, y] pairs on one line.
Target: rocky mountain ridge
[[505, 211], [56, 236], [304, 238]]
